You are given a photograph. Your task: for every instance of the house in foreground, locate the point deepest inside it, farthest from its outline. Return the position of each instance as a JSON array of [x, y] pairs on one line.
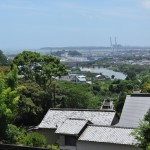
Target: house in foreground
[[77, 129], [134, 110], [96, 137], [55, 118]]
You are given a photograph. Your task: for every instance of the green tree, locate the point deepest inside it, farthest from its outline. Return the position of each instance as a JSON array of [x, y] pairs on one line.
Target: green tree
[[34, 140], [32, 104], [3, 58], [14, 134], [146, 86], [8, 103], [142, 133], [119, 103], [74, 53], [113, 76], [12, 77], [70, 95], [40, 69]]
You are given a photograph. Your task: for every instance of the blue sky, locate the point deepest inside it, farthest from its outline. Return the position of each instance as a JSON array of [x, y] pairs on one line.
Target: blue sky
[[56, 23]]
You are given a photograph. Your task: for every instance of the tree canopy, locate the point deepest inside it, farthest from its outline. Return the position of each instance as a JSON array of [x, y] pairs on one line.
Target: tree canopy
[[3, 58], [8, 104], [39, 68], [36, 87], [142, 133]]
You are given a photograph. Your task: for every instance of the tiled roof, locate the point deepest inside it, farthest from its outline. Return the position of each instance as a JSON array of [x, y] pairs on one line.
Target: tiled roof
[[134, 110], [105, 134], [55, 117], [71, 127]]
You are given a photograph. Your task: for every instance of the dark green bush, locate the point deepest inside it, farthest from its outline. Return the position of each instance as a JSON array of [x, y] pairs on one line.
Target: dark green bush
[[34, 140], [14, 134]]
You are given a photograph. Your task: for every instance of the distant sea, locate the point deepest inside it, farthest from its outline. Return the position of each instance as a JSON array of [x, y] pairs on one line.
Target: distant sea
[[15, 51], [48, 50]]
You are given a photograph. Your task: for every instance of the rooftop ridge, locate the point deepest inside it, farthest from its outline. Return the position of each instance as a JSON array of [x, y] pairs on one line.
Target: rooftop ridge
[[76, 119], [96, 125], [141, 95], [74, 109]]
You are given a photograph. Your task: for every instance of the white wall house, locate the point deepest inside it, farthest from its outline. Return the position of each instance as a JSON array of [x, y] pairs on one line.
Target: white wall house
[[97, 137], [56, 117], [81, 129], [69, 133]]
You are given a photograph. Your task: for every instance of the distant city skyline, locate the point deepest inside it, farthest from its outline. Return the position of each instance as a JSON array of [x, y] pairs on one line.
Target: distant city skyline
[[61, 23]]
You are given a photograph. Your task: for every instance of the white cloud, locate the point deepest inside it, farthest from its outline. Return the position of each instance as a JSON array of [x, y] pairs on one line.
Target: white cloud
[[146, 3]]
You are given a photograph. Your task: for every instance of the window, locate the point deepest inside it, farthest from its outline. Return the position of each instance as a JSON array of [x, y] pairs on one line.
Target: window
[[106, 107], [70, 140]]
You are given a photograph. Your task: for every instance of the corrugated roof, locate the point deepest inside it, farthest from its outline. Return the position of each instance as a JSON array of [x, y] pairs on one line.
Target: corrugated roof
[[71, 127], [105, 134], [55, 118], [134, 110]]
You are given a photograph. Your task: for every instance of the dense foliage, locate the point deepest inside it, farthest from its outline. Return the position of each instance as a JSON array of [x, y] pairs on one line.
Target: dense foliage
[[70, 95], [3, 59], [142, 133], [34, 139], [8, 104]]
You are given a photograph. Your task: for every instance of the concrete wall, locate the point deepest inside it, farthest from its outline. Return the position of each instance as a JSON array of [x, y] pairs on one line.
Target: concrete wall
[[50, 135], [81, 145], [68, 148], [61, 140]]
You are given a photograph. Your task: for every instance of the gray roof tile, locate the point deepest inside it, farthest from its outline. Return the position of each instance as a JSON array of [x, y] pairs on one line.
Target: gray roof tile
[[71, 127], [55, 118], [134, 109], [105, 134]]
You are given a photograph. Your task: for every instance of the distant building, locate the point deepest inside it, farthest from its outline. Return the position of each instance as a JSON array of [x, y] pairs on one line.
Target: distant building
[[100, 77], [80, 79], [73, 78]]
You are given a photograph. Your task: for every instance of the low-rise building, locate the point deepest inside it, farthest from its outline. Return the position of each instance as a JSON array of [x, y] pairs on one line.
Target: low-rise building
[[55, 118], [134, 110], [73, 78], [81, 129], [97, 137]]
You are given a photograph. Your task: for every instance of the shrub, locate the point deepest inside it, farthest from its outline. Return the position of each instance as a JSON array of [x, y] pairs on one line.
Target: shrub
[[34, 140], [14, 134]]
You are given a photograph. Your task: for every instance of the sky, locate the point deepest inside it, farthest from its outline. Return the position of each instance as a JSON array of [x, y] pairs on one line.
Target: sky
[[33, 24]]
